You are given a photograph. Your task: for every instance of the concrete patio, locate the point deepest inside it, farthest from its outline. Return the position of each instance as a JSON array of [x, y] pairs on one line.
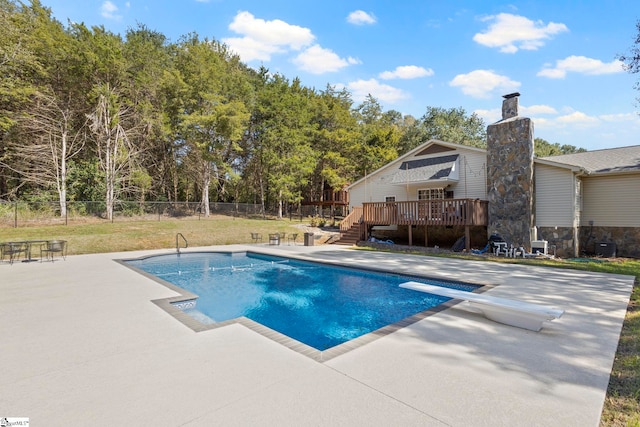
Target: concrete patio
[[83, 344]]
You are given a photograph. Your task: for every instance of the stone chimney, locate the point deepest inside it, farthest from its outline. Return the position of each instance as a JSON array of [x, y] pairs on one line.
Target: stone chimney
[[510, 175], [510, 105]]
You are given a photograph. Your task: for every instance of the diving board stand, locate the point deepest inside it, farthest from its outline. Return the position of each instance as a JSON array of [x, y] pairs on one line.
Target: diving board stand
[[510, 312]]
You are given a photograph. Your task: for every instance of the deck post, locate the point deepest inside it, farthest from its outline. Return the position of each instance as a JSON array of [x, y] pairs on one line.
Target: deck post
[[426, 241], [410, 237], [467, 238]]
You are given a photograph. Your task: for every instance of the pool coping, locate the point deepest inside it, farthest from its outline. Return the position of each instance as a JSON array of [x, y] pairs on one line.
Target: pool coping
[[174, 307]]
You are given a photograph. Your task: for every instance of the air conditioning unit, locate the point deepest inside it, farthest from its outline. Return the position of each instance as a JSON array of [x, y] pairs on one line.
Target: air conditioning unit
[[606, 249]]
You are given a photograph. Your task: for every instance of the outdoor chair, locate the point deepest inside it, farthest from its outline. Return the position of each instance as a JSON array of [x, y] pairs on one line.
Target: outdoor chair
[[274, 239], [13, 250], [292, 238], [256, 237], [52, 247]]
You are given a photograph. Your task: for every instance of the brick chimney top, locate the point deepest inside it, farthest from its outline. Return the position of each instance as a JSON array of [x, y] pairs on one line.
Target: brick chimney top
[[510, 105]]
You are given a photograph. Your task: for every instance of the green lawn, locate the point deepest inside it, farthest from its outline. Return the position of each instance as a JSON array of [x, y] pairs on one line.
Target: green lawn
[[622, 405]]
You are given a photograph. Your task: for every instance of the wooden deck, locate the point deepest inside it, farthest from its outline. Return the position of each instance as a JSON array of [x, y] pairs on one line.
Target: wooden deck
[[446, 212]]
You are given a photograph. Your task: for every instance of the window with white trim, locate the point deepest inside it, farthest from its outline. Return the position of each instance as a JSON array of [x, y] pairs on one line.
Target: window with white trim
[[431, 194], [390, 199]]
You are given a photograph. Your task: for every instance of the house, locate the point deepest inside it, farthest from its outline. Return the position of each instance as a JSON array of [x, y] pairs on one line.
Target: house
[[578, 203], [597, 193]]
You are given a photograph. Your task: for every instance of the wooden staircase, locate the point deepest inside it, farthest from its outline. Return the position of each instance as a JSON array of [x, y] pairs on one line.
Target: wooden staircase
[[349, 237]]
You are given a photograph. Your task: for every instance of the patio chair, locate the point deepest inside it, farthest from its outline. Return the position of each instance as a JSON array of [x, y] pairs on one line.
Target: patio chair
[[256, 237], [292, 238], [13, 250], [53, 247], [274, 239]]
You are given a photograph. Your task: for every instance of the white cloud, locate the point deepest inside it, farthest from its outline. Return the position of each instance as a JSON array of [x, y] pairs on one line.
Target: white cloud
[[360, 17], [622, 117], [251, 49], [489, 116], [361, 88], [109, 10], [406, 72], [495, 114], [536, 109], [583, 65], [318, 60], [263, 38], [483, 83], [510, 33], [577, 118]]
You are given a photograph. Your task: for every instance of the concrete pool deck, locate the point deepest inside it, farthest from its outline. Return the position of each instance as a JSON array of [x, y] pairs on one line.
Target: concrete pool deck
[[83, 344]]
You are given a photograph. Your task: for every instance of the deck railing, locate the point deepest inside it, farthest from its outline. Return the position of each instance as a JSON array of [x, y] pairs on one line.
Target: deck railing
[[330, 197], [354, 217], [447, 212]]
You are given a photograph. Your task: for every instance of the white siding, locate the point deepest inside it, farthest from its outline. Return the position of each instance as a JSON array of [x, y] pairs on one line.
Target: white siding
[[612, 201], [472, 183], [473, 176], [554, 196]]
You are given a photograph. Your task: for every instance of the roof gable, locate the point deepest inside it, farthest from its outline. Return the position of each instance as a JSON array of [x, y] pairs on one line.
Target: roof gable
[[434, 149]]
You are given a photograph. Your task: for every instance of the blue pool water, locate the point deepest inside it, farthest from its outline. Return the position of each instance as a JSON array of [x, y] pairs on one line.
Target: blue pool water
[[319, 305]]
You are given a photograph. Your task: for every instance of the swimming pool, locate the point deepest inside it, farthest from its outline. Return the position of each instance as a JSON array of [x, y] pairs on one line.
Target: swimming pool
[[317, 304]]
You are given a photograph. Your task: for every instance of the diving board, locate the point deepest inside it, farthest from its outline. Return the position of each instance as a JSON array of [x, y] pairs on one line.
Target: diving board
[[510, 312]]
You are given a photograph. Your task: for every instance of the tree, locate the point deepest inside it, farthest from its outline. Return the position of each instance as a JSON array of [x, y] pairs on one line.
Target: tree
[[214, 116], [335, 141], [453, 125], [632, 59], [380, 135], [48, 126], [115, 151], [543, 148], [282, 129], [149, 72], [112, 119]]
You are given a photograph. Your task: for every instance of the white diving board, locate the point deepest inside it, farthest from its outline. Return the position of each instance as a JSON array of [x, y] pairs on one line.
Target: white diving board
[[510, 312]]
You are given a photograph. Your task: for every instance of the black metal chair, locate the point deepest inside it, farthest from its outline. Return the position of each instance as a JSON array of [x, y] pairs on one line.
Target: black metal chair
[[256, 237], [292, 238], [13, 250], [53, 247]]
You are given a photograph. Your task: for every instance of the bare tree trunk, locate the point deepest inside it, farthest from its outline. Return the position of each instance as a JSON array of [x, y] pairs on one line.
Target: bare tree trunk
[[115, 152], [47, 146], [206, 183]]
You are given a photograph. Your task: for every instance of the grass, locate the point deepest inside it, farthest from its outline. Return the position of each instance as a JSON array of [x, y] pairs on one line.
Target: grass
[[622, 403], [104, 236]]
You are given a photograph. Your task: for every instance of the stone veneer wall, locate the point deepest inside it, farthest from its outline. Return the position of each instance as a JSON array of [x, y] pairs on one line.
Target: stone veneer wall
[[561, 240], [510, 176], [627, 239]]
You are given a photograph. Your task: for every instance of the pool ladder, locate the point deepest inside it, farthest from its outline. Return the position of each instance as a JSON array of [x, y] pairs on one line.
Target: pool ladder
[[186, 244]]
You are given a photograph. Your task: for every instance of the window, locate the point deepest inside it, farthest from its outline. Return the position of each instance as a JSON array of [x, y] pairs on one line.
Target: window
[[431, 194], [435, 209], [389, 199]]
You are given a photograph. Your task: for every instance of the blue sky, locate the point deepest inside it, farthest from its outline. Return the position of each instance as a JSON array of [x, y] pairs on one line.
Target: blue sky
[[411, 54]]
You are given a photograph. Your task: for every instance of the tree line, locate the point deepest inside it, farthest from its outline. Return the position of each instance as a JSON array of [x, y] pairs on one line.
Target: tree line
[[86, 114]]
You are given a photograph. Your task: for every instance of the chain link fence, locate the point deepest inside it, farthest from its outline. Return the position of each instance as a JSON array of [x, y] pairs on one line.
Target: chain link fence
[[25, 214]]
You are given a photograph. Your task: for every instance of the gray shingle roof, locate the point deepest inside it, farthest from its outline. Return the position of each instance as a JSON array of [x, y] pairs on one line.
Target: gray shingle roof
[[623, 159], [422, 170]]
